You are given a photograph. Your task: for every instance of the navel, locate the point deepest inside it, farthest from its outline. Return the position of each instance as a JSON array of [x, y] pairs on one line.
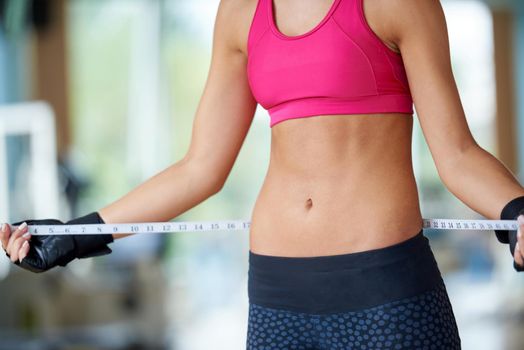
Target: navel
[[309, 203]]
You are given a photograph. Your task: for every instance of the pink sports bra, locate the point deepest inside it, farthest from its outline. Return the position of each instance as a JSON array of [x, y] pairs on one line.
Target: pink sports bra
[[338, 67]]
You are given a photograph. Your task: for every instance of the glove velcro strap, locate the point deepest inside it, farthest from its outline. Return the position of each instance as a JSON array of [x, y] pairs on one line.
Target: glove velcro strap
[[87, 246], [511, 211]]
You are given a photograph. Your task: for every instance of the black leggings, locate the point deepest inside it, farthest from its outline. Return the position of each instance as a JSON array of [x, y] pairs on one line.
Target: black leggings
[[386, 298]]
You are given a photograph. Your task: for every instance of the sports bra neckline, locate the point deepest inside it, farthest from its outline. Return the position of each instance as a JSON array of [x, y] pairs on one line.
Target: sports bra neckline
[[277, 32]]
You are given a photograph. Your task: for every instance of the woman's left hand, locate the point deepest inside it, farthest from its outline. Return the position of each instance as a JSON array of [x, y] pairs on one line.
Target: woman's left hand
[[519, 247]]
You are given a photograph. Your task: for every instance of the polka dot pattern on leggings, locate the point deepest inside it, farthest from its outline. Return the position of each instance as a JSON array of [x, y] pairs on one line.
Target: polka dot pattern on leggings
[[425, 321]]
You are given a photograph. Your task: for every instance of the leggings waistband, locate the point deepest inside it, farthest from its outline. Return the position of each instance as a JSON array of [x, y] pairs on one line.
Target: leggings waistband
[[346, 282]]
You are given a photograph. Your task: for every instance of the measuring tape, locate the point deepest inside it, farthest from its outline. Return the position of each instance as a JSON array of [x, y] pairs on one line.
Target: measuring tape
[[233, 225]]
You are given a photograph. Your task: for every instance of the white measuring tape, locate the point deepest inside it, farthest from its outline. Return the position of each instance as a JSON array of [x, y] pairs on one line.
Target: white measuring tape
[[231, 225]]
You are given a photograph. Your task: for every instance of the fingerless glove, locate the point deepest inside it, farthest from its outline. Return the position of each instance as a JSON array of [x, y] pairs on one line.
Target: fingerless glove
[[511, 211], [48, 251]]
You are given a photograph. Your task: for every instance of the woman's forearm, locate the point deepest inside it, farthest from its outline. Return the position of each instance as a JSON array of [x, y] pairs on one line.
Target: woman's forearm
[[482, 182], [164, 196]]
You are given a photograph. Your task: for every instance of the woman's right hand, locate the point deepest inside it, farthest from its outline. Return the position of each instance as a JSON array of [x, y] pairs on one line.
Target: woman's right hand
[[16, 243], [40, 253], [37, 253]]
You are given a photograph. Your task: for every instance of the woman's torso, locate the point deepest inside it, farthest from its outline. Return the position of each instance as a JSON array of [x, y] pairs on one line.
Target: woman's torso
[[335, 183]]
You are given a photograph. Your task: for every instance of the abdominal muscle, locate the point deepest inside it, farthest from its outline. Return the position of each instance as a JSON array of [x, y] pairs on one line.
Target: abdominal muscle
[[337, 184]]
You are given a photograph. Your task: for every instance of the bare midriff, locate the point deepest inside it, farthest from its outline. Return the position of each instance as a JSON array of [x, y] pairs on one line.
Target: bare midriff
[[337, 184]]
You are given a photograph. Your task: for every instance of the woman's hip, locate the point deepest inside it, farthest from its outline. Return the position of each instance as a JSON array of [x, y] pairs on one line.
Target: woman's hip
[[423, 322], [346, 282], [391, 298]]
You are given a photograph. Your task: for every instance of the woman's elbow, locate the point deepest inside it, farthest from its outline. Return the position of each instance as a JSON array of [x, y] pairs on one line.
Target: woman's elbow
[[214, 178], [210, 173], [217, 186]]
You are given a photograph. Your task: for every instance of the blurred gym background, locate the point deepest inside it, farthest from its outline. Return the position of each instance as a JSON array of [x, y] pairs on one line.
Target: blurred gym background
[[97, 96]]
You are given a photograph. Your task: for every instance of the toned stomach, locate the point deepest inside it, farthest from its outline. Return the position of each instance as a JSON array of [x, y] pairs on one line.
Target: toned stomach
[[337, 184]]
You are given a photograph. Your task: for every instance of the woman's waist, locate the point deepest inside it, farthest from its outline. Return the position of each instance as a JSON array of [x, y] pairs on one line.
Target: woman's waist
[[313, 213], [300, 219]]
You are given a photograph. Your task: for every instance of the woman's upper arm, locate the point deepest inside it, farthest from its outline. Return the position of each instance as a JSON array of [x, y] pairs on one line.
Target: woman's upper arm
[[226, 108], [418, 28]]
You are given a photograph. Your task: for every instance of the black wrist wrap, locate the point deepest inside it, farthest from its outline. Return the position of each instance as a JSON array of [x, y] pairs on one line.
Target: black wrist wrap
[[511, 211], [87, 246]]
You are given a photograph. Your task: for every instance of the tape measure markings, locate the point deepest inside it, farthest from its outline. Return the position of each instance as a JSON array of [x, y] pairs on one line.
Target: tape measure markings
[[235, 225]]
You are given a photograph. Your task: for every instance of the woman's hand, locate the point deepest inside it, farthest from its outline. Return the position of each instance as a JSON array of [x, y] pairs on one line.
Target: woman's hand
[[519, 246], [16, 244], [40, 253], [47, 251]]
